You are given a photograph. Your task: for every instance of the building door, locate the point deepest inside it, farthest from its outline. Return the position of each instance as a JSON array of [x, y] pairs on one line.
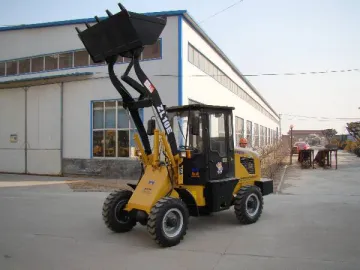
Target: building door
[[12, 130], [44, 129]]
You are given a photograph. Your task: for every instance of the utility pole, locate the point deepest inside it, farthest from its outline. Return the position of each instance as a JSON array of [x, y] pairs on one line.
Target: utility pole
[[291, 144], [280, 127]]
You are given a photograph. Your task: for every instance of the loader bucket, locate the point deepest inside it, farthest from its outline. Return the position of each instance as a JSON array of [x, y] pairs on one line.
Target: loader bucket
[[120, 34]]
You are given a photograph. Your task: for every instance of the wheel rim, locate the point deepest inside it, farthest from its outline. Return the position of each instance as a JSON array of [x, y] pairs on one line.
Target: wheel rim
[[121, 216], [252, 205], [172, 222]]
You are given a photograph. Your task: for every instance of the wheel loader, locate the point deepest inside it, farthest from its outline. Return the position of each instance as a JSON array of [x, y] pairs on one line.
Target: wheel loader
[[194, 167]]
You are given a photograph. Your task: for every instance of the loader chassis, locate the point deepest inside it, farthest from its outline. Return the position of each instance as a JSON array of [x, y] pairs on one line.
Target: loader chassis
[[193, 168]]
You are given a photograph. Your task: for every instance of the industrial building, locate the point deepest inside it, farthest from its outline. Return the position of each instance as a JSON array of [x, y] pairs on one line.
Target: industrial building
[[60, 114]]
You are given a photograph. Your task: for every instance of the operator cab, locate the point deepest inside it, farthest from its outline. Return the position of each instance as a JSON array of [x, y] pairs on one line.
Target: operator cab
[[204, 135]]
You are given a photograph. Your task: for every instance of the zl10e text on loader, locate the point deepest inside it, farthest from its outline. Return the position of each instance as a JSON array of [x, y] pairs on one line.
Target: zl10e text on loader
[[201, 170]]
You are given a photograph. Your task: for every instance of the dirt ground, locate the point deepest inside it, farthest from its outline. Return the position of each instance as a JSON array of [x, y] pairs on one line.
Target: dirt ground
[[99, 185]]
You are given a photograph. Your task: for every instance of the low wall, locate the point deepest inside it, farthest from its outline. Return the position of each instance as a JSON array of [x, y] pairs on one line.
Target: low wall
[[105, 168]]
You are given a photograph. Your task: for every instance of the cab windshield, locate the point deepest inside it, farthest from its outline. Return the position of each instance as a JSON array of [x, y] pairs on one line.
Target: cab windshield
[[183, 130]]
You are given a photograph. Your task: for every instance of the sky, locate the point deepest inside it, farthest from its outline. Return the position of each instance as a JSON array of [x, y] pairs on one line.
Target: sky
[[260, 37]]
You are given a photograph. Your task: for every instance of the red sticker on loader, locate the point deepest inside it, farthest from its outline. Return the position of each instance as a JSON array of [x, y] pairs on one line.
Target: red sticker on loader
[[149, 86]]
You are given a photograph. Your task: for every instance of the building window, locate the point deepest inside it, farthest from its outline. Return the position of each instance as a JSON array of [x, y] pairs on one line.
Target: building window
[[266, 136], [274, 136], [152, 51], [51, 62], [66, 60], [263, 135], [24, 66], [81, 58], [191, 54], [2, 69], [120, 59], [113, 130], [11, 68], [249, 132], [37, 64], [256, 135], [239, 129]]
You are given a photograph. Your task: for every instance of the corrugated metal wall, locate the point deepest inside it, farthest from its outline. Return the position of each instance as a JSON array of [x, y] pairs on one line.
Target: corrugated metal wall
[[30, 130], [44, 129]]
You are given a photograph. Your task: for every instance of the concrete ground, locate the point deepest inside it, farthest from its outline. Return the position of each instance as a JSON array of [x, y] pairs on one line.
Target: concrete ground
[[313, 223]]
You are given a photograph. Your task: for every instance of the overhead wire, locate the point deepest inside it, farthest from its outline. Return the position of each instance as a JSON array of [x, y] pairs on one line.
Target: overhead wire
[[303, 73], [260, 74], [221, 11], [320, 118], [324, 117], [272, 74]]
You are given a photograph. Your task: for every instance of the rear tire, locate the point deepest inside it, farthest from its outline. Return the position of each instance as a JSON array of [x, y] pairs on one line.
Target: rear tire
[[168, 221], [115, 218], [248, 204]]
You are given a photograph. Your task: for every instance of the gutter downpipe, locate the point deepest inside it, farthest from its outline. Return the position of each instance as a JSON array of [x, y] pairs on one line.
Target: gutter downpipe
[[61, 128]]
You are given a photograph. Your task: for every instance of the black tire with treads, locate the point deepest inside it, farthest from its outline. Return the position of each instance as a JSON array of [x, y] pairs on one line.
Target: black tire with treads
[[240, 204], [109, 208], [155, 221]]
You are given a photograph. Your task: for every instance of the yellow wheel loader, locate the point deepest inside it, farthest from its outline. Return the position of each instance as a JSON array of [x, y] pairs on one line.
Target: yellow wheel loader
[[194, 168]]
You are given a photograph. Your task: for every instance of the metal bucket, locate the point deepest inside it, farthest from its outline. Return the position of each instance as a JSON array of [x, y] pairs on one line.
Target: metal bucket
[[120, 34]]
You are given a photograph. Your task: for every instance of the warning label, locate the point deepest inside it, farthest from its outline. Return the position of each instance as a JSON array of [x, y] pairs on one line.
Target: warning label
[[149, 86]]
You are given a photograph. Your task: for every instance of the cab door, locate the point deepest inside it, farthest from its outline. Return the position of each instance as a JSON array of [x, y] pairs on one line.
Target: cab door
[[220, 151]]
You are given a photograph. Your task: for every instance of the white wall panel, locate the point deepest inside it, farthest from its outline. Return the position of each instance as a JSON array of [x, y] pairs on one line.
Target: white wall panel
[[44, 129], [44, 162]]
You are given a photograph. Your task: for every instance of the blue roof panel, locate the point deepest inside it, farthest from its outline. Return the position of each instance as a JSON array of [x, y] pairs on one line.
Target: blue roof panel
[[85, 20]]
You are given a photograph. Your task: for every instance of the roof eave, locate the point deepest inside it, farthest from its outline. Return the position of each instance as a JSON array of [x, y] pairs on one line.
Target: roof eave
[[83, 21], [49, 79]]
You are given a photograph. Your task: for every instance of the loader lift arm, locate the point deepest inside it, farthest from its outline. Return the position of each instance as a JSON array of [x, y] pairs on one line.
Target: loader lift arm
[[130, 104], [106, 40]]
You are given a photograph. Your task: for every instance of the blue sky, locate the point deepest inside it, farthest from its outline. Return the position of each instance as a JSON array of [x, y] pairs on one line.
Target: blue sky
[[259, 36]]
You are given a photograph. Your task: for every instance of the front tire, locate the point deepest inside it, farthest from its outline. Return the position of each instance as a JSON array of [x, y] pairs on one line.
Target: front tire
[[248, 204], [168, 221], [115, 218]]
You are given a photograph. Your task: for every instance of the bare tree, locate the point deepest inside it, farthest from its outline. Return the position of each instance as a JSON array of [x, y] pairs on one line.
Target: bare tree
[[354, 130], [329, 134]]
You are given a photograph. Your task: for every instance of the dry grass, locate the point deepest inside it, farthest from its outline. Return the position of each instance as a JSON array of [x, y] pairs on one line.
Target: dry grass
[[273, 158], [100, 185]]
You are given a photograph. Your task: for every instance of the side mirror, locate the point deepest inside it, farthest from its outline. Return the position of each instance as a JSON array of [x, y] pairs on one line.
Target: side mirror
[[151, 127], [195, 126]]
